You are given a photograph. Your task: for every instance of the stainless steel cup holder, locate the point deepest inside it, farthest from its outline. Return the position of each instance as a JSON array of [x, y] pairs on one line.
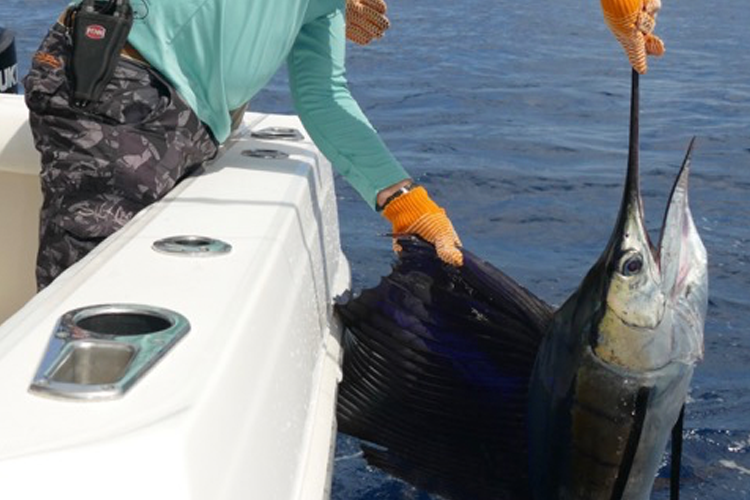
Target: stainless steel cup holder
[[192, 246], [99, 352], [93, 363]]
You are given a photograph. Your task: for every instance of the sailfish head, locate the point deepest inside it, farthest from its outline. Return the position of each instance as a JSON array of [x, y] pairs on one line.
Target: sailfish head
[[653, 298]]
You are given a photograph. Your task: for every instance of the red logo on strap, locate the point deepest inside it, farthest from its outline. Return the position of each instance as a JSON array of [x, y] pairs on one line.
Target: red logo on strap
[[96, 31]]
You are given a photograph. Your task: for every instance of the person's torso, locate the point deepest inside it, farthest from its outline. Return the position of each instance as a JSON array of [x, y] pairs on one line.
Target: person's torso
[[220, 53]]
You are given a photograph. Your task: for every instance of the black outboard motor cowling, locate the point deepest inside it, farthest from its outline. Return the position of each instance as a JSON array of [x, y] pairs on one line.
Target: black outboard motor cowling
[[8, 63]]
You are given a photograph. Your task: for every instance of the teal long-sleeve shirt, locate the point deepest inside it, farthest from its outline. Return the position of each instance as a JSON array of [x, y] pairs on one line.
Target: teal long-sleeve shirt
[[219, 53]]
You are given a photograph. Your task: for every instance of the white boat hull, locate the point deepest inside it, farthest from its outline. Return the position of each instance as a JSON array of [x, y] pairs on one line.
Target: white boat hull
[[243, 406], [20, 200]]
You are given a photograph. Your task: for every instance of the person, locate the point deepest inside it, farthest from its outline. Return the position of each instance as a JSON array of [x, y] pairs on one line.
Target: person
[[186, 68]]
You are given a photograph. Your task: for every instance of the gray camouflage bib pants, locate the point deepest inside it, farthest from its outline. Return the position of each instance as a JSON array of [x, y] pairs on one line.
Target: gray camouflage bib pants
[[103, 164]]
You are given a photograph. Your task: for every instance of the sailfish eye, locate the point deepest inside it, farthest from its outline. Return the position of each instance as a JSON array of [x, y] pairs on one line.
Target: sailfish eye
[[631, 265]]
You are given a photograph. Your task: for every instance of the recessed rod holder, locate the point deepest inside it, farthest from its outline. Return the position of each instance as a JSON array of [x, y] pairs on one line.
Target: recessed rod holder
[[192, 246], [278, 134], [99, 352], [266, 154]]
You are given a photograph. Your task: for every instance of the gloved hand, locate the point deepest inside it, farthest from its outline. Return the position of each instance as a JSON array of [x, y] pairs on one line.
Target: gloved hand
[[633, 22], [415, 213], [365, 20]]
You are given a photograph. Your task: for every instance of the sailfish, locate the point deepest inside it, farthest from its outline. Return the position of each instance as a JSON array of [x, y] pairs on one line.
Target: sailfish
[[464, 383]]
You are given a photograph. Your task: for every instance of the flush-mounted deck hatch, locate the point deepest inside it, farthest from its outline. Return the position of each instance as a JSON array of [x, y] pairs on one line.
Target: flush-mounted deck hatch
[[99, 352]]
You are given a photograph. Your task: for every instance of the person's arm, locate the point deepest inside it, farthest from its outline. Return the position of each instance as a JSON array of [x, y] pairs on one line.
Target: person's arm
[[341, 131], [330, 114]]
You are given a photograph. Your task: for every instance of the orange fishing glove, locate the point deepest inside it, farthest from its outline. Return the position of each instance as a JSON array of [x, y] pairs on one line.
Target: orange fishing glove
[[633, 23], [365, 20], [415, 213]]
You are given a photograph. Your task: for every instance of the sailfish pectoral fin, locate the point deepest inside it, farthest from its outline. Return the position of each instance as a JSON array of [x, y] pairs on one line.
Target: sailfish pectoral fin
[[631, 447], [674, 475]]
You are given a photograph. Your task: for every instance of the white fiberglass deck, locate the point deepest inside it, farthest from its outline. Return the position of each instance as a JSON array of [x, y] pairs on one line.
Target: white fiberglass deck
[[243, 406]]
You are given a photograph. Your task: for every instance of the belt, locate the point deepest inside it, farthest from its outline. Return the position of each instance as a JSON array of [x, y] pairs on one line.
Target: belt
[[128, 51]]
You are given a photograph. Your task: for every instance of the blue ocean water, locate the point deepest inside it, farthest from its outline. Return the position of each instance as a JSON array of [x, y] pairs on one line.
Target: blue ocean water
[[514, 115]]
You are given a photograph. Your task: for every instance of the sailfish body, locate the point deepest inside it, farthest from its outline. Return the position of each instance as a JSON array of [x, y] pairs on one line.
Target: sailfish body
[[613, 371], [465, 384]]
